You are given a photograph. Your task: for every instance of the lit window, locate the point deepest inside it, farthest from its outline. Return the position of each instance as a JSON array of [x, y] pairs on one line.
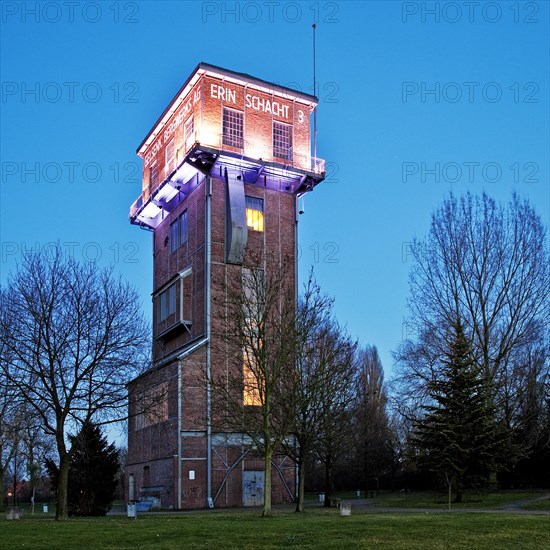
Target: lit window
[[170, 156], [255, 213], [252, 300], [232, 128], [167, 303], [178, 232], [251, 384], [189, 132], [153, 174], [282, 140]]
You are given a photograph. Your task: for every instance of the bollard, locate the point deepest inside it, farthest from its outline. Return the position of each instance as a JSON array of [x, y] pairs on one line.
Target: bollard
[[132, 510]]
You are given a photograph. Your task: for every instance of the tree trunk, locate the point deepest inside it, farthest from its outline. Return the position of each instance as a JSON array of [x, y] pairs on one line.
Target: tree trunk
[[62, 511], [328, 480], [449, 481], [366, 471], [301, 485], [267, 483]]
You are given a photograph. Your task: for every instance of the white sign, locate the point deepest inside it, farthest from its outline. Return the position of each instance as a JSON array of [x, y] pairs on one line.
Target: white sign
[[181, 115], [252, 101]]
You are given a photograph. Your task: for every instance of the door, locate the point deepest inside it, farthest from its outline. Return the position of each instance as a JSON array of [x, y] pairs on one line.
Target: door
[[253, 488]]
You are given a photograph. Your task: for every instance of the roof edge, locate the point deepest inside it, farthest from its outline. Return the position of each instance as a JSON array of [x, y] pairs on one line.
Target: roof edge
[[232, 74]]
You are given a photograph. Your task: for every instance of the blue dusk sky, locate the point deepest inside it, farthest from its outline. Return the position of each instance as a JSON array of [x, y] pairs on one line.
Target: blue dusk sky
[[416, 99]]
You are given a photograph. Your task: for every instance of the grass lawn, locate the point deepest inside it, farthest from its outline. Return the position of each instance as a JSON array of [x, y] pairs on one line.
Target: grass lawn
[[314, 529], [541, 505], [439, 500]]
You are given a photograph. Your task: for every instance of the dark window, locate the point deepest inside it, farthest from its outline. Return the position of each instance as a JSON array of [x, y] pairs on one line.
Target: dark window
[[178, 232], [189, 132], [170, 156], [282, 140], [232, 128], [184, 229], [167, 303], [153, 174]]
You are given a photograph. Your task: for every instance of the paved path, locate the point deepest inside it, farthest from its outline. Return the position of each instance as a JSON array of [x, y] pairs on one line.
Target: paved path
[[516, 507], [369, 504]]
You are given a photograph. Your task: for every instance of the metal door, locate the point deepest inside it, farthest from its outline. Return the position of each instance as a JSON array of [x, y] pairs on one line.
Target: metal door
[[253, 488]]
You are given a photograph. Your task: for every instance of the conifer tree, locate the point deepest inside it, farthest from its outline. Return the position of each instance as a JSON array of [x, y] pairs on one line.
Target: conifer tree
[[458, 438], [93, 473]]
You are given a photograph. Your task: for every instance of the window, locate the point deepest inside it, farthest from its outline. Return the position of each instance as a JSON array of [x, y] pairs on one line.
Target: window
[[178, 232], [253, 299], [153, 174], [282, 140], [251, 382], [170, 302], [232, 128], [170, 156], [167, 303], [152, 404], [254, 213], [189, 132]]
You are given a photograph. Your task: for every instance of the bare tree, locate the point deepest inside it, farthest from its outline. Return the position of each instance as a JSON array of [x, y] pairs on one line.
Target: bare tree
[[10, 432], [74, 336], [372, 424], [324, 375], [334, 431], [255, 320], [36, 447], [488, 265]]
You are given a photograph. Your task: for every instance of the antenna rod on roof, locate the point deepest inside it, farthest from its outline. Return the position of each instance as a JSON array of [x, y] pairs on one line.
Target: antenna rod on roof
[[314, 26]]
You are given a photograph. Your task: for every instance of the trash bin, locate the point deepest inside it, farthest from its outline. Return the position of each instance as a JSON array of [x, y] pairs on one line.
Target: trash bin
[[358, 493], [45, 508], [321, 497], [132, 510], [345, 509]]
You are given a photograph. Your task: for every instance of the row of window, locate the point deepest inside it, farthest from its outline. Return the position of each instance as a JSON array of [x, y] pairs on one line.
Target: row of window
[[179, 234], [170, 152], [233, 133], [179, 228], [253, 282]]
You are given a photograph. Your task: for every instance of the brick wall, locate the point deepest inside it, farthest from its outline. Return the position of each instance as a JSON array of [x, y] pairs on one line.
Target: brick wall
[[153, 447], [205, 102]]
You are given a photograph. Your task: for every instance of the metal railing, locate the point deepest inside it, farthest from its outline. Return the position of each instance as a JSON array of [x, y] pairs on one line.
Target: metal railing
[[299, 161]]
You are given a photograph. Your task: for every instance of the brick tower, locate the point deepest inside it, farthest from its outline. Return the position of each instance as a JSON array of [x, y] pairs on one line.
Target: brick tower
[[223, 168]]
